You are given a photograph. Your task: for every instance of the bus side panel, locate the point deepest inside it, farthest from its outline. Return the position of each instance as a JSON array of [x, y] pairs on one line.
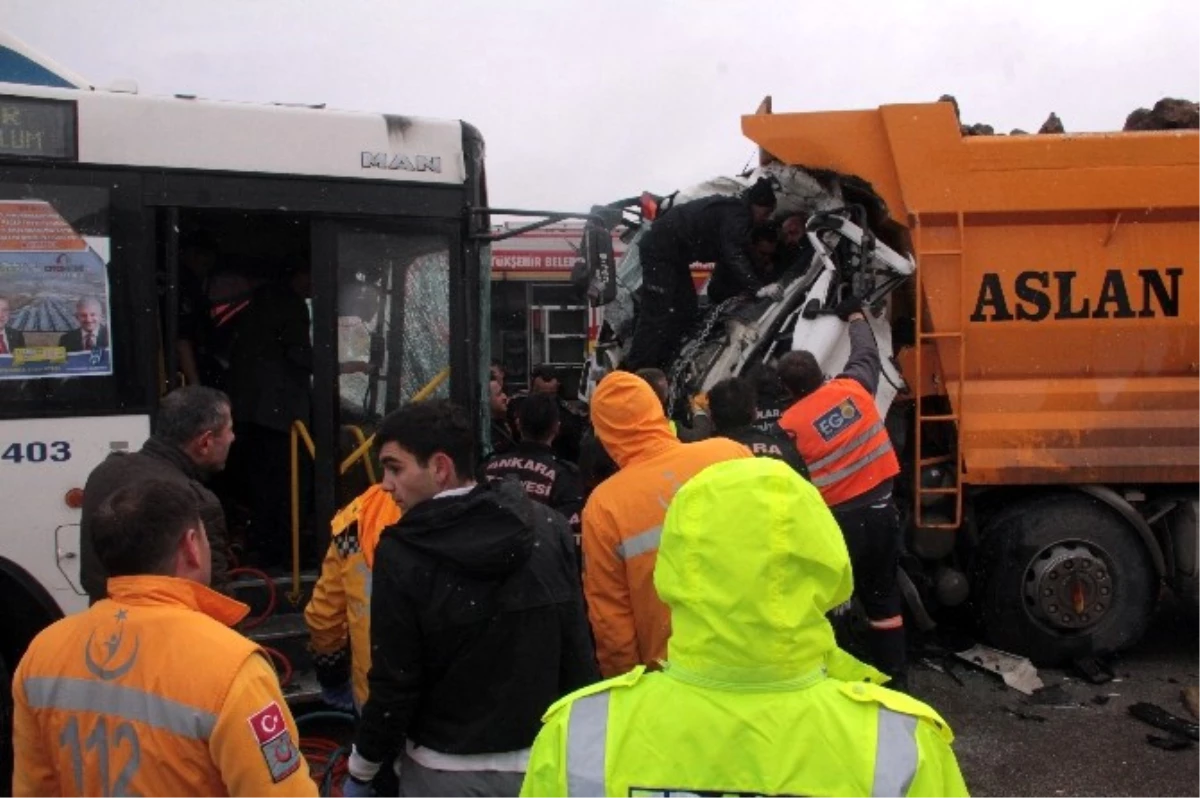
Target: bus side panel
[[41, 461]]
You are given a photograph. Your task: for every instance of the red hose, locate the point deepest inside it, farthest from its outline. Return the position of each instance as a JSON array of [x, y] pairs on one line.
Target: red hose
[[285, 678], [251, 623]]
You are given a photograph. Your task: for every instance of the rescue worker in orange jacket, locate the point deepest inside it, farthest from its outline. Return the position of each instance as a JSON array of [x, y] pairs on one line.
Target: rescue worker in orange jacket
[[622, 520], [149, 692], [842, 438], [338, 614]]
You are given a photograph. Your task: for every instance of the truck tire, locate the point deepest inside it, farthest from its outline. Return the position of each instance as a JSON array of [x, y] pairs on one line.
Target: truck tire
[[1063, 577]]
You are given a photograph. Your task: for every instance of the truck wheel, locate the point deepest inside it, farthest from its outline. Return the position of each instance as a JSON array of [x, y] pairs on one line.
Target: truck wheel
[[1063, 577]]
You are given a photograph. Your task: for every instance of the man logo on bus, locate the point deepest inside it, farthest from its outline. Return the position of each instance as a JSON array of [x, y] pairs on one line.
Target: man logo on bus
[[837, 419], [385, 160]]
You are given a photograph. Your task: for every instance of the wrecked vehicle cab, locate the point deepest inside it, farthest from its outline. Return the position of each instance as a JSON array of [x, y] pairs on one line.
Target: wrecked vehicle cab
[[1035, 301]]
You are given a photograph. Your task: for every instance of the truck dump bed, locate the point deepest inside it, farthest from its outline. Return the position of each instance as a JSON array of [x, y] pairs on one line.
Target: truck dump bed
[[1056, 282]]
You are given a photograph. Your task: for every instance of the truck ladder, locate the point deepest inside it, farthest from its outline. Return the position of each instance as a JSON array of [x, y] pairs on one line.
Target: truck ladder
[[939, 253]]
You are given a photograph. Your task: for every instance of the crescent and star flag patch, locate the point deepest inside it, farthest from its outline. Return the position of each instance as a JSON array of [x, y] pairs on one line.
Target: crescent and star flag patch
[[275, 741]]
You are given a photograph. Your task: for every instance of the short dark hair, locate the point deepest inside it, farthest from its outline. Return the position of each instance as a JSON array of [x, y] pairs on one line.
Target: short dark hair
[[188, 412], [765, 232], [426, 428], [544, 372], [800, 373], [732, 403], [537, 416], [137, 528], [657, 378], [766, 381]]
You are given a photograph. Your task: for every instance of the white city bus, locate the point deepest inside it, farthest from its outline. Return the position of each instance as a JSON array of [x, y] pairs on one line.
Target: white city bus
[[104, 195]]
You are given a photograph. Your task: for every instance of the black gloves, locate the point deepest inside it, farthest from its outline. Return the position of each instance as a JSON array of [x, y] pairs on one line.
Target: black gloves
[[850, 304]]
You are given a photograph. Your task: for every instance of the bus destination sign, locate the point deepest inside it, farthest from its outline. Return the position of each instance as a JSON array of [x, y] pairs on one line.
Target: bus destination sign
[[37, 128]]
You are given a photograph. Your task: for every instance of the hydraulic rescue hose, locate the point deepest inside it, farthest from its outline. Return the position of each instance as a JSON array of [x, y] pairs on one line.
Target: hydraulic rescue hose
[[328, 761], [327, 758]]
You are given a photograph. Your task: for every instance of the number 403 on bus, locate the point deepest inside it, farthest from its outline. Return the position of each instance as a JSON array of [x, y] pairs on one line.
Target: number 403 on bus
[[37, 452]]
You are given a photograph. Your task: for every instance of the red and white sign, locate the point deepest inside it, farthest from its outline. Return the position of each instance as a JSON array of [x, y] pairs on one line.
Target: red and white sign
[[549, 249], [268, 723]]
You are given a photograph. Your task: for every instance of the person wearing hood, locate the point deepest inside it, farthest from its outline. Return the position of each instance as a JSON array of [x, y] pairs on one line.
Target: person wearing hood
[[622, 520], [755, 697], [713, 229], [477, 622]]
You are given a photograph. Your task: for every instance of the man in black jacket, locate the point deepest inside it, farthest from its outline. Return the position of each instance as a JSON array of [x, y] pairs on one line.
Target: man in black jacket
[[733, 405], [713, 230], [477, 618], [771, 398], [192, 434], [544, 476]]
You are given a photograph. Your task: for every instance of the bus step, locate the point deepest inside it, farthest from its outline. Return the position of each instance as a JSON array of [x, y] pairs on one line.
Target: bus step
[[256, 592]]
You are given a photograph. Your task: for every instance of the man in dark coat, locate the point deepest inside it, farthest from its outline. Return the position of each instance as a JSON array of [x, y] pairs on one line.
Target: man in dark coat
[[713, 230], [477, 618], [192, 434], [733, 406], [545, 477]]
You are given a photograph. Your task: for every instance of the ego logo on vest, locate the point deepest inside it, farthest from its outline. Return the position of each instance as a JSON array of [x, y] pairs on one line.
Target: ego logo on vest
[[837, 419]]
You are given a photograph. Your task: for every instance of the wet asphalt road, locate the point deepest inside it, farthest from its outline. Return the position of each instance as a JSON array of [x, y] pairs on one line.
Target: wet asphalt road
[[1080, 747]]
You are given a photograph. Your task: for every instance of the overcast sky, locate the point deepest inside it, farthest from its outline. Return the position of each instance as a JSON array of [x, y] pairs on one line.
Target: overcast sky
[[584, 102]]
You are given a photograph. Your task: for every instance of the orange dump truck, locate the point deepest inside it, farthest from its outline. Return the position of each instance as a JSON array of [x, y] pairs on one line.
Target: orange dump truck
[[1049, 344]]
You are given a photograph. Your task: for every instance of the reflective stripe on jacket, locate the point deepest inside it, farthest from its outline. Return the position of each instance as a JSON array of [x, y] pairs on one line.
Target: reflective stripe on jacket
[[338, 614], [638, 735], [841, 437], [755, 698], [622, 520], [150, 693]]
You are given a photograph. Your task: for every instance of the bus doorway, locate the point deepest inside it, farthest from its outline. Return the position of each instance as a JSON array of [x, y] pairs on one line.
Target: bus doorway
[[238, 313]]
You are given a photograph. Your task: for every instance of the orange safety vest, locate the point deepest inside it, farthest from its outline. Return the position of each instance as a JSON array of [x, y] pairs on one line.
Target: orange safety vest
[[841, 437], [340, 608], [150, 692]]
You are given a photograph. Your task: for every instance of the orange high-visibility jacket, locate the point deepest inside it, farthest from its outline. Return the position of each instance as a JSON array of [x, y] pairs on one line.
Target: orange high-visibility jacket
[[149, 692], [840, 435], [339, 612], [622, 520]]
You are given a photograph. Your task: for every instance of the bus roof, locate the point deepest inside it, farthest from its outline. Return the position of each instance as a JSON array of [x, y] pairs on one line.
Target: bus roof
[[123, 128]]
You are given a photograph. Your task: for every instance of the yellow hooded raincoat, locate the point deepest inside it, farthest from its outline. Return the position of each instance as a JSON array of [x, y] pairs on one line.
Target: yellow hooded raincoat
[[755, 697]]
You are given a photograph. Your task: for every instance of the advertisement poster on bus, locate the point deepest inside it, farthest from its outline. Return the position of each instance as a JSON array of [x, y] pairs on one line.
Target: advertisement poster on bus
[[54, 297]]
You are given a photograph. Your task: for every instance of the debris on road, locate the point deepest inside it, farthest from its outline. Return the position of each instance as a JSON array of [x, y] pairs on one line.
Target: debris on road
[[1190, 697], [1054, 696], [1017, 672], [1159, 718], [1094, 670], [1168, 743], [1024, 715]]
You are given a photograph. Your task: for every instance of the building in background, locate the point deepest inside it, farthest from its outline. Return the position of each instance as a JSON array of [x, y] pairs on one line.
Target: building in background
[[537, 315]]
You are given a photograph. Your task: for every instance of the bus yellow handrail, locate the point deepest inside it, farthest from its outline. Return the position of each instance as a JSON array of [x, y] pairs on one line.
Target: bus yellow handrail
[[431, 386], [365, 444], [359, 453], [299, 432]]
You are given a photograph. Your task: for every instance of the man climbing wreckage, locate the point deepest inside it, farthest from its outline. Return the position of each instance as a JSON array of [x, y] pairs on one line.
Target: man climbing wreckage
[[717, 229], [825, 251], [817, 255]]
